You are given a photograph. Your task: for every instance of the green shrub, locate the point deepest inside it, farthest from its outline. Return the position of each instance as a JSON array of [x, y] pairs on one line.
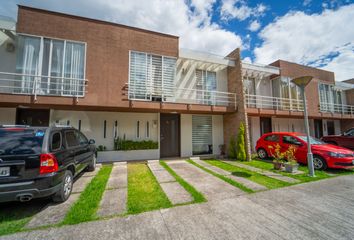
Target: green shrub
[[232, 148], [127, 145], [101, 148], [241, 151]]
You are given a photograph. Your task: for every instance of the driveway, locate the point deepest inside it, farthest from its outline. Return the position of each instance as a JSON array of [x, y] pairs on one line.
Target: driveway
[[317, 210]]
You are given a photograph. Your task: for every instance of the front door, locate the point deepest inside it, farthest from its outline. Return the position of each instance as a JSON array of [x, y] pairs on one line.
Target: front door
[[318, 128], [33, 117], [330, 128], [266, 125], [169, 135]]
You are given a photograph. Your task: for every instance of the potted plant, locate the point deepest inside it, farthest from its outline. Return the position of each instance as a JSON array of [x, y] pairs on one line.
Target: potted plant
[[222, 151], [278, 161], [291, 166]]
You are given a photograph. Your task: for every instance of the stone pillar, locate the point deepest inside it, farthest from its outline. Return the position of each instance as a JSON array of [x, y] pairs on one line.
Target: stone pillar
[[232, 120]]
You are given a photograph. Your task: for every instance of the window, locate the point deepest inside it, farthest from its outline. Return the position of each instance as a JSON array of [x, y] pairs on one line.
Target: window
[[151, 77], [81, 137], [329, 97], [291, 140], [205, 82], [272, 138], [104, 129], [59, 63], [56, 141], [71, 139], [349, 133], [138, 129], [202, 134], [147, 129], [284, 88]]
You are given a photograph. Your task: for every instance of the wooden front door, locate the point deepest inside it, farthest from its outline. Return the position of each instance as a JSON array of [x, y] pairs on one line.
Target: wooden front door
[[33, 117], [169, 135]]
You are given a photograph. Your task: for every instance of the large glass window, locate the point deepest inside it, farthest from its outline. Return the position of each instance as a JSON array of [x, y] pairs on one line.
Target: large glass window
[[151, 77], [288, 94], [205, 85], [56, 66], [330, 98], [202, 137]]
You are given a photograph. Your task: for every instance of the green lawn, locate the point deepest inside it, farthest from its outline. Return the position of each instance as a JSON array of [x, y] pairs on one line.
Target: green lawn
[[197, 196], [270, 183], [144, 192], [302, 177], [86, 206], [226, 179]]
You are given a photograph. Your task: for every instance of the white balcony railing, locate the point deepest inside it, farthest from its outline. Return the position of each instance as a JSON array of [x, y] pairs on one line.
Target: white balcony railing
[[336, 108], [180, 95], [276, 103], [16, 83]]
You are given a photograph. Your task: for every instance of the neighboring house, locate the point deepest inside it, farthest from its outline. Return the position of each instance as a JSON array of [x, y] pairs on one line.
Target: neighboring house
[[113, 81]]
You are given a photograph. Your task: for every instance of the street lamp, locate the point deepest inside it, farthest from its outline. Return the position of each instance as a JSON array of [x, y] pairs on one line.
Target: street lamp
[[302, 82]]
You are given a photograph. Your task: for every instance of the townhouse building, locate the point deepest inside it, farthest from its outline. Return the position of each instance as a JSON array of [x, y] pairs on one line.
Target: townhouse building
[[119, 83]]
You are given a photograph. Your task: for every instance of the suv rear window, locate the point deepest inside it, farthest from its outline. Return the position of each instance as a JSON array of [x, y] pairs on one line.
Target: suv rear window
[[272, 138], [56, 141], [20, 141]]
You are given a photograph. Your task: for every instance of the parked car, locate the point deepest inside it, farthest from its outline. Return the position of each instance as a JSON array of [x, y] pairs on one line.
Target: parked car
[[42, 161], [344, 140], [324, 155]]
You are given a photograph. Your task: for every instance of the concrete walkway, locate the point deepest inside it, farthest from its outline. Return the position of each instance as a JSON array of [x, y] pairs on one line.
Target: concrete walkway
[[54, 213], [318, 210], [174, 191], [264, 172], [244, 181], [114, 200], [212, 187]]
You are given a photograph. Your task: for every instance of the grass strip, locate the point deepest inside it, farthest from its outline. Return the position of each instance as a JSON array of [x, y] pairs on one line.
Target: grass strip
[[302, 177], [224, 178], [269, 182], [198, 197], [85, 208], [144, 192]]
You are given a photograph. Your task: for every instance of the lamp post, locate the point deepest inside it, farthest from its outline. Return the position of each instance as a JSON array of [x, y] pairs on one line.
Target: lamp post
[[302, 82]]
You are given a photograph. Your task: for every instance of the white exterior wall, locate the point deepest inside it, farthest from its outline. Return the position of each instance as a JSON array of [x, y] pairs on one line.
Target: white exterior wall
[[218, 133], [7, 62], [255, 131], [7, 116], [288, 125], [92, 124], [186, 134]]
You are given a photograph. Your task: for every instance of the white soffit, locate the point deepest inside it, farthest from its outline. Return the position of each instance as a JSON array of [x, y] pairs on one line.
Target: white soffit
[[205, 58], [343, 86], [258, 70]]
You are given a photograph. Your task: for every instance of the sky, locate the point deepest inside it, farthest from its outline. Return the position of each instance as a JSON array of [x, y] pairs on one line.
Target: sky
[[309, 32]]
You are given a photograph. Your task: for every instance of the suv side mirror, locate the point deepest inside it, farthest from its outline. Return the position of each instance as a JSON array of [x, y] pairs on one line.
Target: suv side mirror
[[91, 142]]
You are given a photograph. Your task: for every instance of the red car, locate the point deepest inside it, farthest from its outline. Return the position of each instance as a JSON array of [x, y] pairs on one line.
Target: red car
[[324, 155], [345, 140]]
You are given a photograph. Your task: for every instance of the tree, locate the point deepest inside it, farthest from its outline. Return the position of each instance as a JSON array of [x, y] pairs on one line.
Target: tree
[[240, 147], [232, 147]]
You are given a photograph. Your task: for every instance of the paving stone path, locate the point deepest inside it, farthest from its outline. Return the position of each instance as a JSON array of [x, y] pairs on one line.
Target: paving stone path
[[54, 213], [210, 186], [244, 181], [264, 172], [174, 191], [114, 200]]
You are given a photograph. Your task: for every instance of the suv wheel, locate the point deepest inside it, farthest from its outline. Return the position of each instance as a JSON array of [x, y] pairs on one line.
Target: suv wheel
[[66, 187], [92, 166], [319, 163], [262, 154]]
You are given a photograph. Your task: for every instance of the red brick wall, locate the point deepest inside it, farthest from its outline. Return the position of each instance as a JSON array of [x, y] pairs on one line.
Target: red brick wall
[[107, 53]]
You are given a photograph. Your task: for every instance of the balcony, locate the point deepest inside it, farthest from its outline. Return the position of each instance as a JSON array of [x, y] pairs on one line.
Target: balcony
[[274, 103], [27, 84], [336, 108], [143, 92]]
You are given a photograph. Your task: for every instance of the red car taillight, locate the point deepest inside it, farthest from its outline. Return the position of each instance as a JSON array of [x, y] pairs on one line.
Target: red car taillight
[[48, 163]]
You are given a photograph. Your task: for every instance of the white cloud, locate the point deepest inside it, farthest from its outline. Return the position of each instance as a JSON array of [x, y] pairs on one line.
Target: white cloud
[[254, 26], [321, 40], [191, 20], [238, 9], [247, 60]]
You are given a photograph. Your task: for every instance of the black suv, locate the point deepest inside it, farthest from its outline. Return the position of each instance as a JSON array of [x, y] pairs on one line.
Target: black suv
[[42, 161]]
